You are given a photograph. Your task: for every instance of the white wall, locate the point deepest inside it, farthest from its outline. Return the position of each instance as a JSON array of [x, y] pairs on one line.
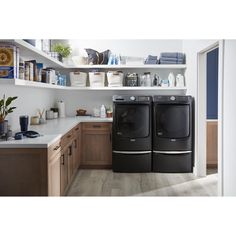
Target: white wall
[[191, 48], [229, 121], [138, 47], [28, 101], [94, 99]]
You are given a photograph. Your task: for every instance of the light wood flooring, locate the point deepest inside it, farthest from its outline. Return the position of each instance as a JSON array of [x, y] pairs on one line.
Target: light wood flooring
[[108, 183]]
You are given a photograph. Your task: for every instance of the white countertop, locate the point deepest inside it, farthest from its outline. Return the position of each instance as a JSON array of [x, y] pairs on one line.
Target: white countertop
[[50, 132]]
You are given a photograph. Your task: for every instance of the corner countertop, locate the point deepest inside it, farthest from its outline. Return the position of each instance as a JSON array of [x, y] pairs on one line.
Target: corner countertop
[[50, 132]]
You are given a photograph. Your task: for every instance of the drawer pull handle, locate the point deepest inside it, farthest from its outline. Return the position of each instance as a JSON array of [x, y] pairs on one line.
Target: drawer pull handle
[[69, 136], [77, 129], [63, 159], [70, 151], [57, 147], [96, 126]]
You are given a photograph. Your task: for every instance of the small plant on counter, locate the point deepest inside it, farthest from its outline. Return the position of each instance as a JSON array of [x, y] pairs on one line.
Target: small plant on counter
[[62, 49], [4, 107]]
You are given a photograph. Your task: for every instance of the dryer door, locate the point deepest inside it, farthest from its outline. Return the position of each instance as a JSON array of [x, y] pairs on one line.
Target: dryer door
[[132, 120], [172, 120]]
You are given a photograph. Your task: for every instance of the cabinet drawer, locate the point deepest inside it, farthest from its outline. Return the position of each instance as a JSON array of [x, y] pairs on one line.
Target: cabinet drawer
[[54, 148], [67, 138], [97, 126]]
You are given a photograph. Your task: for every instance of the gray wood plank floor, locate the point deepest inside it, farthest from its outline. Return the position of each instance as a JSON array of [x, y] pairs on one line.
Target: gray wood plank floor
[[108, 183]]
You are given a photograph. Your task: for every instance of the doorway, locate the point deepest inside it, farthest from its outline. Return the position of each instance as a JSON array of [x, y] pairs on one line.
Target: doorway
[[209, 111], [212, 62]]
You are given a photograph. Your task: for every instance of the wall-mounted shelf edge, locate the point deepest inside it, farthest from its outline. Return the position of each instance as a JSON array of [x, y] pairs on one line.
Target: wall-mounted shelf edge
[[31, 52], [157, 66], [26, 83]]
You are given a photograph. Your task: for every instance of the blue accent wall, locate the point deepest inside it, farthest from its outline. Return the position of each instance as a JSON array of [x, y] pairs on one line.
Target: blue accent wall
[[212, 84]]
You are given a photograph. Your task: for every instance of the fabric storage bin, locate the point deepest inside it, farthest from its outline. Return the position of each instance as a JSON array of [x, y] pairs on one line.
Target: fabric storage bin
[[115, 78], [97, 79], [131, 79], [78, 79]]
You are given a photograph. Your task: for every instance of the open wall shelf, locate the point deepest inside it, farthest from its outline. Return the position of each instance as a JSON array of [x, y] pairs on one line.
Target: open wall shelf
[[26, 83], [32, 53]]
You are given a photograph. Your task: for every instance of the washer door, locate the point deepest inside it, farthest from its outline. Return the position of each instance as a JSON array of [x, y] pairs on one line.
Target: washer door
[[132, 120], [172, 120]]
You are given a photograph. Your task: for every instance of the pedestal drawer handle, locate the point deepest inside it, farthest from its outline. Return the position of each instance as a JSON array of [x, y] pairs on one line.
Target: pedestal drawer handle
[[57, 147], [96, 126], [63, 159]]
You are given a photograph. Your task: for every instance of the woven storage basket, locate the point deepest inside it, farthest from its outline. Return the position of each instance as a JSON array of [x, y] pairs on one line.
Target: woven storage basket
[[97, 79], [78, 79], [115, 78]]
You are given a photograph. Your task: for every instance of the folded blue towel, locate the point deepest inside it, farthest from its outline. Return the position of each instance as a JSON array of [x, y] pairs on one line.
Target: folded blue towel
[[172, 55], [150, 57], [171, 59], [151, 62], [171, 62]]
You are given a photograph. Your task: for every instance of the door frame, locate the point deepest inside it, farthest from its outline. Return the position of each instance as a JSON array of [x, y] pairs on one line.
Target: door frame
[[201, 112]]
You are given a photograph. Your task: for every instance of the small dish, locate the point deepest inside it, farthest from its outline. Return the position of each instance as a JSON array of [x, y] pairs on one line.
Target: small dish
[[81, 112]]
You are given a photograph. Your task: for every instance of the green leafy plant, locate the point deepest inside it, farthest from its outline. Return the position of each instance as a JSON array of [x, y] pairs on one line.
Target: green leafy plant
[[63, 50], [5, 108]]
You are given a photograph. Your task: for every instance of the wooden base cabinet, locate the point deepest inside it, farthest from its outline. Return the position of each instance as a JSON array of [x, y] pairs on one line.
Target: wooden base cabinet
[[23, 172], [50, 171], [70, 158], [96, 145], [64, 171], [77, 148], [54, 188], [66, 165]]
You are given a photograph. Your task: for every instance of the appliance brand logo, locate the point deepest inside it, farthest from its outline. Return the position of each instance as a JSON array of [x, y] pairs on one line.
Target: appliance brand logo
[[173, 140], [132, 140], [159, 133], [119, 133]]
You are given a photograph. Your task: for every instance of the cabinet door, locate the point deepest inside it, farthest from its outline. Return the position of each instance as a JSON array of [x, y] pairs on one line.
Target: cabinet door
[[76, 156], [54, 175], [76, 148], [97, 147], [64, 171], [70, 162]]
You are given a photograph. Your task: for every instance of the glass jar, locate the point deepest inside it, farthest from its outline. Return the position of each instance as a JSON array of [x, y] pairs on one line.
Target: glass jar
[[148, 81]]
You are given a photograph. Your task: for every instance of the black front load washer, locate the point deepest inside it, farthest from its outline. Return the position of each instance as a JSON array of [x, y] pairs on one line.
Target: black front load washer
[[173, 128], [132, 133]]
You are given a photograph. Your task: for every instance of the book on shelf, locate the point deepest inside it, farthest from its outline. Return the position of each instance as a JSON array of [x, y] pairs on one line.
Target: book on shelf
[[9, 61], [27, 70], [33, 71]]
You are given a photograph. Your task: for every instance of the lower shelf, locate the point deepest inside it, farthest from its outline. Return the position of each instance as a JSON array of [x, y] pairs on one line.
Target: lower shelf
[[26, 83]]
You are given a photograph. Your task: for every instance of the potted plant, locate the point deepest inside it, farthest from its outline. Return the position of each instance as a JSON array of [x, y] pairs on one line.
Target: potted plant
[[63, 50], [5, 109]]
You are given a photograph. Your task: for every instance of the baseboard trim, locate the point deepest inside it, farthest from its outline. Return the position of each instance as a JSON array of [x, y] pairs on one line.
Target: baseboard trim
[[95, 167]]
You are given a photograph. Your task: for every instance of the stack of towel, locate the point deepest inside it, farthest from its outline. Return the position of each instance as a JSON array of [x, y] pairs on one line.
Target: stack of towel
[[172, 58], [151, 60]]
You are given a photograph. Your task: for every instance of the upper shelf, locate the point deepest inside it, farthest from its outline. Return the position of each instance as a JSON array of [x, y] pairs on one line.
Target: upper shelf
[[26, 83], [32, 53], [153, 66]]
